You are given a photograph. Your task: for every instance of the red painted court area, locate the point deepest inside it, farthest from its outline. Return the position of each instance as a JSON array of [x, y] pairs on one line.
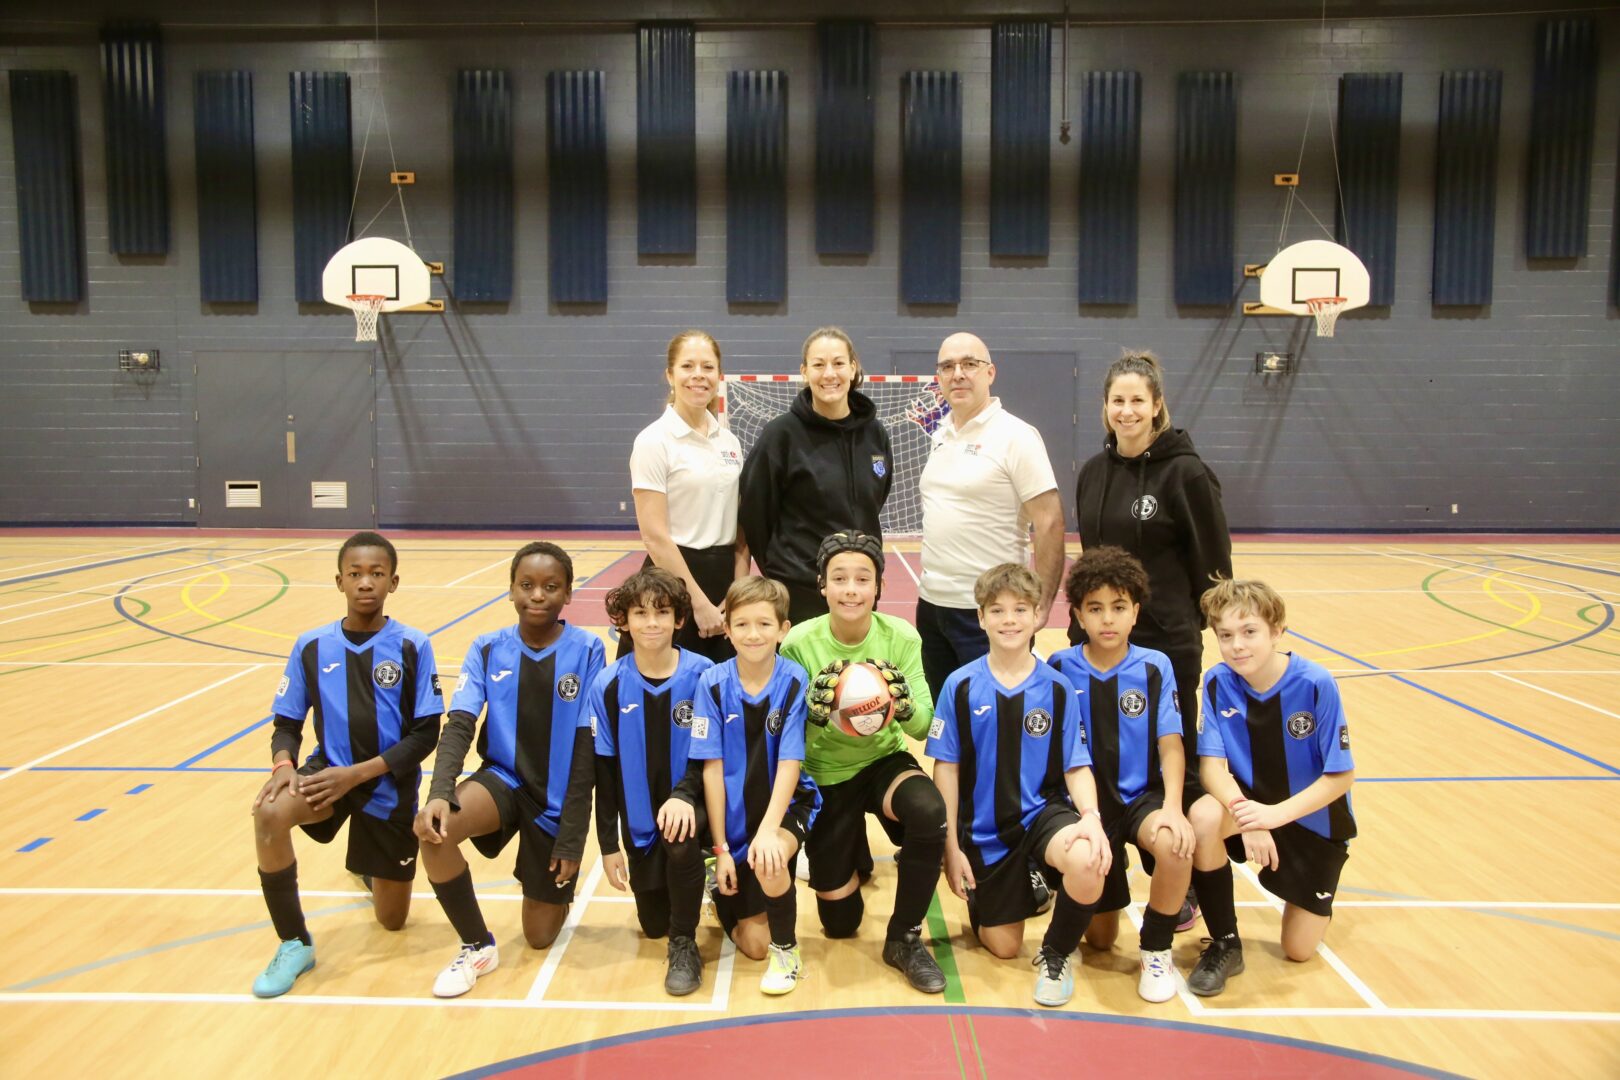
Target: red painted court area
[[934, 1042]]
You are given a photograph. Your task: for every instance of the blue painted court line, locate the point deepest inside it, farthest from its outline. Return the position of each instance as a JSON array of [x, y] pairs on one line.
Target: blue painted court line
[[495, 599], [88, 814], [1474, 779], [1556, 745], [1528, 558], [91, 566], [32, 844], [137, 789], [190, 761]]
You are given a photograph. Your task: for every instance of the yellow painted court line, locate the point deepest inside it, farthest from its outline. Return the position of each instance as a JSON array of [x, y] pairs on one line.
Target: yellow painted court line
[[224, 587], [1545, 618], [1535, 610], [125, 629]]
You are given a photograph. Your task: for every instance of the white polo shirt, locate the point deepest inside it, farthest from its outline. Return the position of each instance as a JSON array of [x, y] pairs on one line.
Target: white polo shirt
[[974, 488], [697, 471]]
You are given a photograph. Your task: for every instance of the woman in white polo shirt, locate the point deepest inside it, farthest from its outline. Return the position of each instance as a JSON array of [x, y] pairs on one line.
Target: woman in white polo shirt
[[684, 470]]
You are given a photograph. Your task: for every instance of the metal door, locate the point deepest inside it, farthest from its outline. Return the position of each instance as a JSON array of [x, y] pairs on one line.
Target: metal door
[[329, 426]]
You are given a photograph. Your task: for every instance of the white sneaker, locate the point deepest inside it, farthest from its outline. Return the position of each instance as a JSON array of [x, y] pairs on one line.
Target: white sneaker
[[464, 970], [801, 866], [783, 970], [1158, 982]]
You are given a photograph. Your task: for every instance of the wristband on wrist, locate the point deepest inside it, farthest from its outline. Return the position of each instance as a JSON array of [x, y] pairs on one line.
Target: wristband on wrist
[[278, 765], [722, 849]]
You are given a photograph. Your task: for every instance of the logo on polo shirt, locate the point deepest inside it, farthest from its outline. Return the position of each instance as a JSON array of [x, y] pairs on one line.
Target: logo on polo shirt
[[1037, 722], [1302, 725], [732, 458], [1145, 507], [880, 467], [568, 687], [387, 674], [1133, 703], [682, 714]]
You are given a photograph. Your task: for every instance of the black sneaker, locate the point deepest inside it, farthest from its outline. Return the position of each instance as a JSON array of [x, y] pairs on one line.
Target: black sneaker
[[1042, 891], [685, 967], [1188, 916], [1221, 959], [915, 962]]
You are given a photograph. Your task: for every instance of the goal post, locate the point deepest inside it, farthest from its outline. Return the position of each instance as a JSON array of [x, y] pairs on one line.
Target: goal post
[[910, 407]]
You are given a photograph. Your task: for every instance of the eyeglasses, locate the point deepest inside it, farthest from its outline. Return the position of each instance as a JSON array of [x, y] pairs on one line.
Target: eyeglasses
[[969, 365]]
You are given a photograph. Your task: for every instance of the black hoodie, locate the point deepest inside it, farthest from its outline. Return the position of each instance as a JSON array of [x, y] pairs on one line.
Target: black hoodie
[[808, 476], [1164, 507]]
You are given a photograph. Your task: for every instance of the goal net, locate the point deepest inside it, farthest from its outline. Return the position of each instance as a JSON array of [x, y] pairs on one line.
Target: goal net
[[910, 407]]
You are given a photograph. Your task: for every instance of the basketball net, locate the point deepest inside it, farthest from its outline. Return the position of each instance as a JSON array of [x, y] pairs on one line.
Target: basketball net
[[366, 308], [1326, 309]]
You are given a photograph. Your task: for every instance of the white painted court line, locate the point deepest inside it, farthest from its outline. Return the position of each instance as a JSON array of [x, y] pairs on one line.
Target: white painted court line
[[905, 562], [1556, 694], [1386, 1013], [1573, 560], [1188, 998], [1610, 672], [129, 663], [1455, 561], [8, 774], [79, 559], [337, 999], [503, 561], [1362, 989], [554, 954]]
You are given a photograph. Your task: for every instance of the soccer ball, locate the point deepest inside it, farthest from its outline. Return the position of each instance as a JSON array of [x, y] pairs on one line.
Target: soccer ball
[[862, 704]]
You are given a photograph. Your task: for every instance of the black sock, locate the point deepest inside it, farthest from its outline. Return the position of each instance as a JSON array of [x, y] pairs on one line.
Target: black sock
[[685, 882], [286, 910], [919, 864], [1069, 921], [1158, 930], [782, 913], [460, 905], [1214, 888]]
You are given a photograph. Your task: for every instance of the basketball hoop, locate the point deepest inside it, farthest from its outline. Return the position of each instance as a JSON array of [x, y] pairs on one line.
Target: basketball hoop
[[366, 308], [1326, 309]]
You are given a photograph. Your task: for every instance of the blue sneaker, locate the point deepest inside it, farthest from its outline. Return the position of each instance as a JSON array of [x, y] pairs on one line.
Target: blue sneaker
[[292, 959], [1054, 982]]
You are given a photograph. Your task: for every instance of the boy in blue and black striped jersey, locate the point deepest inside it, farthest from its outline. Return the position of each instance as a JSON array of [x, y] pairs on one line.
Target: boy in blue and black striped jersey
[[1277, 766], [641, 711], [374, 690], [1133, 727], [748, 730], [529, 680], [1008, 741]]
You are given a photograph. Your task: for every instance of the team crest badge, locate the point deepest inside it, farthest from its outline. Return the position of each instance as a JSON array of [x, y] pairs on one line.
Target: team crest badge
[[1145, 507], [1037, 722], [880, 468], [1344, 737], [1302, 725], [682, 714], [773, 722], [568, 687], [1133, 703], [387, 674]]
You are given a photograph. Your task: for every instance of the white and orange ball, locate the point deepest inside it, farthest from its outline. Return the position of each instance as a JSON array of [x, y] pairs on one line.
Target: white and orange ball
[[862, 704]]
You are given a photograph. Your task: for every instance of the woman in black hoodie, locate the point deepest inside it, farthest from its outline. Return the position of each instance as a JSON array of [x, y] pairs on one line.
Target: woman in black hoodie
[[1150, 493], [823, 466]]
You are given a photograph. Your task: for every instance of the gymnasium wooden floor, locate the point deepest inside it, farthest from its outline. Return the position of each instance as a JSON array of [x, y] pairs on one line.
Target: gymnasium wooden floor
[[1478, 927]]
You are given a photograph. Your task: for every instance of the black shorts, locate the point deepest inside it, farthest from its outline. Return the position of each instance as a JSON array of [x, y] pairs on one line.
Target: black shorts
[[835, 839], [518, 815], [1308, 867], [749, 899], [649, 866], [1003, 892], [378, 847], [1124, 827]]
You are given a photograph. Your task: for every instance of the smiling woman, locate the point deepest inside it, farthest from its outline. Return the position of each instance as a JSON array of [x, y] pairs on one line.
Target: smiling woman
[[823, 466]]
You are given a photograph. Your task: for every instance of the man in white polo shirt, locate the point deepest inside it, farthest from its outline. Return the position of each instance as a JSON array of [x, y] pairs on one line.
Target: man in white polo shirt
[[987, 483]]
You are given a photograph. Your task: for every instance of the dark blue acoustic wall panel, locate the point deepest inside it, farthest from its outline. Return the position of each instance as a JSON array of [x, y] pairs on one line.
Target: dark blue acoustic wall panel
[[1020, 137], [1110, 174], [666, 139], [484, 218], [45, 147], [227, 194], [137, 165], [576, 142], [756, 187], [845, 138], [1561, 130], [1206, 186], [323, 174], [1465, 186], [1369, 174], [931, 187]]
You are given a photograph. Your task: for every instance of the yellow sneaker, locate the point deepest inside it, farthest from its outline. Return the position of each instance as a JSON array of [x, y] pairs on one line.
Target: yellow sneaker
[[783, 970]]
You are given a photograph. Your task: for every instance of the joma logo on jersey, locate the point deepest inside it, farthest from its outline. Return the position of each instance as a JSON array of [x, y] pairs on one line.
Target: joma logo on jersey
[[682, 714], [1037, 722], [1144, 508], [773, 722], [387, 674], [1133, 703], [1302, 725]]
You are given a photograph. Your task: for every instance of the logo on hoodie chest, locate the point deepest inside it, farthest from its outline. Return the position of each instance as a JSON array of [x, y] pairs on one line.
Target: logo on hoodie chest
[[1144, 508]]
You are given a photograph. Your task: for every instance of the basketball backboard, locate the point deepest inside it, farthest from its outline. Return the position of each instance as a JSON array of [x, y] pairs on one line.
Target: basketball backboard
[[376, 266], [1313, 269]]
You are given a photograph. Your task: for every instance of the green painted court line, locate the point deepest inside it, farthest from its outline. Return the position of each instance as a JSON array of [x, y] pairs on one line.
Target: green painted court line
[[944, 955], [1492, 622], [977, 1049], [950, 1025]]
